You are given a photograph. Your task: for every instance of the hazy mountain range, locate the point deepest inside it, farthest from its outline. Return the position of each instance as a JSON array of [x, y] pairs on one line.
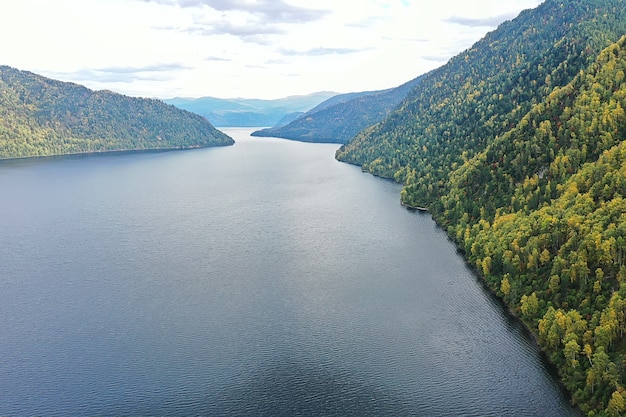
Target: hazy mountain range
[[341, 117], [240, 112]]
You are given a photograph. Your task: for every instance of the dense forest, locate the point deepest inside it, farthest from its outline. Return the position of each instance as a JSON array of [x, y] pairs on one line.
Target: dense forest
[[542, 215], [517, 148], [339, 118], [483, 92], [40, 117]]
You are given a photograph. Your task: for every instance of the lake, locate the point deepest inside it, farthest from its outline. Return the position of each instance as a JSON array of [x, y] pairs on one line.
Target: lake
[[262, 279]]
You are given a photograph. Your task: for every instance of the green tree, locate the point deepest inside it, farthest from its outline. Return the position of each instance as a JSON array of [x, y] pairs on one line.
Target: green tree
[[530, 306], [571, 351], [616, 405], [505, 286]]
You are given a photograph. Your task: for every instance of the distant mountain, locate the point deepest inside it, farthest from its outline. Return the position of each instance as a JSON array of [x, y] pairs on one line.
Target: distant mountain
[[343, 98], [40, 116], [240, 112], [341, 117], [288, 118]]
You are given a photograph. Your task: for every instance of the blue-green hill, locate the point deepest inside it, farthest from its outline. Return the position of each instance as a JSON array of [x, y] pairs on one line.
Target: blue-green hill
[[339, 118]]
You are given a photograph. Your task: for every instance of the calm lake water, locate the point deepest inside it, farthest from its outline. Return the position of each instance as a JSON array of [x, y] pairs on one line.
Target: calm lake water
[[262, 279]]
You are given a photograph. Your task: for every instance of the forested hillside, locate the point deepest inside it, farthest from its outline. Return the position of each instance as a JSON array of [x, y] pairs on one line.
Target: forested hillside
[[40, 116], [521, 157], [541, 213], [456, 110], [340, 118]]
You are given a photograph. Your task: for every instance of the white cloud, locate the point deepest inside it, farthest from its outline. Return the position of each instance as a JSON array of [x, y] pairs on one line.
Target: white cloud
[[246, 48], [272, 11]]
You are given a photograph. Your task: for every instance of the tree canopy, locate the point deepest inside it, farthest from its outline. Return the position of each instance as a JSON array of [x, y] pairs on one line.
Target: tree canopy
[[40, 116]]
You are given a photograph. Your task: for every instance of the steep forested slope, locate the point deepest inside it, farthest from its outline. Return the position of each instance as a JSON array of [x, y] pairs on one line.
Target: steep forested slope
[[40, 116], [340, 118], [573, 125], [542, 214], [524, 164], [456, 110]]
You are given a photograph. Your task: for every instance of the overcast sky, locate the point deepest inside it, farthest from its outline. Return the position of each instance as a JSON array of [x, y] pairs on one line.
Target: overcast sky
[[242, 48]]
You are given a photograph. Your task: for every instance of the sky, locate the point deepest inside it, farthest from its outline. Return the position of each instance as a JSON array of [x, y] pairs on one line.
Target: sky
[[263, 49]]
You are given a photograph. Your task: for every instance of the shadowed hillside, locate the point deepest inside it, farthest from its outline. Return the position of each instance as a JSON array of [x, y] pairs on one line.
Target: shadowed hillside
[[340, 118]]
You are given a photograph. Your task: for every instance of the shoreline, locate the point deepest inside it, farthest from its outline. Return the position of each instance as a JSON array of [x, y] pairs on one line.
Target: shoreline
[[109, 152], [510, 314], [416, 208]]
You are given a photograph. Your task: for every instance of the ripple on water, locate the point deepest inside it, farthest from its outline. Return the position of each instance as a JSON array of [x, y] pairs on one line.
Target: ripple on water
[[265, 279]]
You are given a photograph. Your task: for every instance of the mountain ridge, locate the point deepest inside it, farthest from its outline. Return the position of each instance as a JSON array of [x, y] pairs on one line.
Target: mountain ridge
[[339, 118], [40, 116], [246, 112]]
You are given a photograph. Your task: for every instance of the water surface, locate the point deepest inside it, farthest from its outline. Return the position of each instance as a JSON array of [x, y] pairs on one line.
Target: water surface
[[262, 279]]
